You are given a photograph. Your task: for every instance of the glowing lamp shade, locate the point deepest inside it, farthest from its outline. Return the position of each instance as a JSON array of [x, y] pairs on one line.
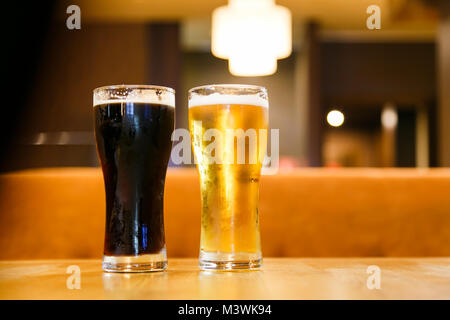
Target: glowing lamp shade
[[335, 118], [389, 117], [252, 35]]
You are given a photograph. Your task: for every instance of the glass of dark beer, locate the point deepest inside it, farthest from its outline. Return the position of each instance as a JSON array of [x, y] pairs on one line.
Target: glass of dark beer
[[133, 128]]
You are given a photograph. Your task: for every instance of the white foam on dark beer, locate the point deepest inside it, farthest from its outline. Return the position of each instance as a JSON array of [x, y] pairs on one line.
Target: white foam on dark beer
[[149, 97], [217, 98]]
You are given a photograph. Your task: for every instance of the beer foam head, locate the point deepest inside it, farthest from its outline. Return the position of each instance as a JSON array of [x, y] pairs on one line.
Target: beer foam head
[[228, 94], [134, 94]]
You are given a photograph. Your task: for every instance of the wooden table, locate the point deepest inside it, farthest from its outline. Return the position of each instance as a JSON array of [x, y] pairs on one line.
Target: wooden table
[[337, 278]]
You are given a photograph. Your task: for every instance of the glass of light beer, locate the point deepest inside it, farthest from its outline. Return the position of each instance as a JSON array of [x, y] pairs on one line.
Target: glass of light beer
[[133, 127], [228, 126]]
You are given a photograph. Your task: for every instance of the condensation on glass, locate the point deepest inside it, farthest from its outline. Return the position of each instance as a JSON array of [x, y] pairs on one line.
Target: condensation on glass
[[232, 120], [133, 127]]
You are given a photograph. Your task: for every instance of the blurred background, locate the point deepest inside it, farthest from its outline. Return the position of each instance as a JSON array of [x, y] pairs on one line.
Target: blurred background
[[391, 85], [341, 94]]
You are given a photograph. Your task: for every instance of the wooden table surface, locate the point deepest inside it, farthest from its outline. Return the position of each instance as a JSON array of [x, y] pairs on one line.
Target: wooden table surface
[[313, 278]]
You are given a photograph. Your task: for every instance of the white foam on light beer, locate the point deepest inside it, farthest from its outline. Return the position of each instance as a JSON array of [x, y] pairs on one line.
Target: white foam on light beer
[[217, 98], [144, 96]]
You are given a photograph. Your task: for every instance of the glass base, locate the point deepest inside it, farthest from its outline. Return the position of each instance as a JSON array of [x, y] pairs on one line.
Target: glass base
[[220, 261], [141, 263]]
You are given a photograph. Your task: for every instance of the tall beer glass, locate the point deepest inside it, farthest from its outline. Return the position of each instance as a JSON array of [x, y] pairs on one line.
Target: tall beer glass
[[133, 128], [228, 125]]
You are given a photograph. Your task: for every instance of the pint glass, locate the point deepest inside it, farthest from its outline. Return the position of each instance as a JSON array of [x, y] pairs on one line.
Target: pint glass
[[228, 125], [133, 128]]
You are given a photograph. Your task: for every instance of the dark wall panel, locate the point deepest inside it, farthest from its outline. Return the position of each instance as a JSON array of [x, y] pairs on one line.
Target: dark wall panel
[[378, 72]]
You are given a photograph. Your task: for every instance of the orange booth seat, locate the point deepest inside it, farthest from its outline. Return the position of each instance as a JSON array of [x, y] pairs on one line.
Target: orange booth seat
[[60, 213]]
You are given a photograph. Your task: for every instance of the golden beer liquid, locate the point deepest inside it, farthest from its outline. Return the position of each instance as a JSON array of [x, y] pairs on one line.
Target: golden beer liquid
[[229, 191]]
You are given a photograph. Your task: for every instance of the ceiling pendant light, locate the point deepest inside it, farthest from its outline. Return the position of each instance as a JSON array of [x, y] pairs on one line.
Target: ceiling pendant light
[[252, 35]]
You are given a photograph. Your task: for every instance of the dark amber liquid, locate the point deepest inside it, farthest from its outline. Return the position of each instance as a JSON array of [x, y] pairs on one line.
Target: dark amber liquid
[[134, 145]]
